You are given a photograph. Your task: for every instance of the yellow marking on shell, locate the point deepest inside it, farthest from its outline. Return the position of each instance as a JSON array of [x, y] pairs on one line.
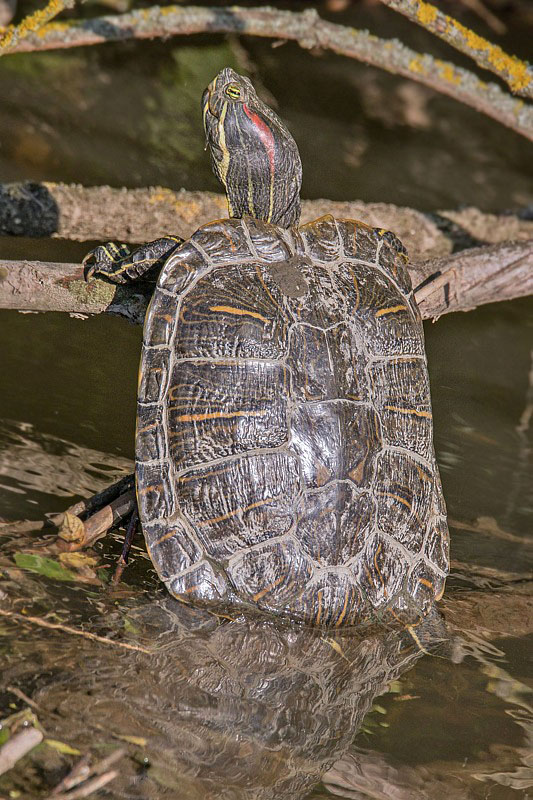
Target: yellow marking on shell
[[417, 413], [344, 609], [235, 511], [379, 571], [391, 310], [201, 475], [356, 474], [146, 428], [268, 589], [319, 598], [190, 589], [147, 489], [165, 537], [398, 498], [239, 311], [219, 415], [425, 582]]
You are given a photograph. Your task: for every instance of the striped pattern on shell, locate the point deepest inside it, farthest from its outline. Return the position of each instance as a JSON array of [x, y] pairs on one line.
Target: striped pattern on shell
[[284, 445]]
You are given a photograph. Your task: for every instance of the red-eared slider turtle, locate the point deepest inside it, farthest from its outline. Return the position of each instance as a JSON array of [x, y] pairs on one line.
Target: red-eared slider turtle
[[284, 437]]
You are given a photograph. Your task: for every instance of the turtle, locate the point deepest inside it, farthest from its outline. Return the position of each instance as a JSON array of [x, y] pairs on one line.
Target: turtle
[[284, 446]]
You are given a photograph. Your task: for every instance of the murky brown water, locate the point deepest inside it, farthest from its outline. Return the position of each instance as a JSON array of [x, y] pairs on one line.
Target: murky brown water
[[251, 710]]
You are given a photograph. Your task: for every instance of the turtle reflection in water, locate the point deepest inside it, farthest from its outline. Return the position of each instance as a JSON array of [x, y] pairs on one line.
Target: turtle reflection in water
[[246, 709], [284, 455]]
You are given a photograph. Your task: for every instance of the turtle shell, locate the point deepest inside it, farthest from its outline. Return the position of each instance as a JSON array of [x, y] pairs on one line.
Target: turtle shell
[[284, 447]]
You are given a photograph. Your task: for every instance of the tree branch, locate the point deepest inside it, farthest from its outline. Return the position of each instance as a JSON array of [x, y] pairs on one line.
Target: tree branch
[[306, 28], [101, 213], [516, 73], [455, 283], [31, 24]]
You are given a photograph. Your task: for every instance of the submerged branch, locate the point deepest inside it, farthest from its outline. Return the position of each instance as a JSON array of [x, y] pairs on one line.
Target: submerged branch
[[454, 283], [516, 73], [304, 27]]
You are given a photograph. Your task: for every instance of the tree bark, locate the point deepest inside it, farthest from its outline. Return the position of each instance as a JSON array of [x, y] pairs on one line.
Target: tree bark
[[454, 283], [102, 213]]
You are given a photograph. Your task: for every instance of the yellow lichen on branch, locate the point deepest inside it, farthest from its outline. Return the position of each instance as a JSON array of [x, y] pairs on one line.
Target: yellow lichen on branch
[[31, 24], [305, 27], [516, 73]]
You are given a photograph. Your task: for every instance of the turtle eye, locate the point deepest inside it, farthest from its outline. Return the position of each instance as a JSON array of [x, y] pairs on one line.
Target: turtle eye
[[233, 90]]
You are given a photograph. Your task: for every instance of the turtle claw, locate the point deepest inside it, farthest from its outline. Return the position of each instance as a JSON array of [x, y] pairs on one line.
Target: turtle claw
[[106, 262]]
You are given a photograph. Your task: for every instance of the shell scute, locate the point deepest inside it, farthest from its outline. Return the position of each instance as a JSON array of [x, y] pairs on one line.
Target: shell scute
[[402, 400], [240, 503], [321, 238], [151, 439], [358, 240], [221, 409], [172, 548], [271, 575], [200, 585], [231, 313], [153, 378], [335, 440], [333, 523], [224, 241], [404, 497]]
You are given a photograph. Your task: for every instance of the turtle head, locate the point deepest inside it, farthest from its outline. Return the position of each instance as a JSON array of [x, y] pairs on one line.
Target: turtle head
[[253, 154]]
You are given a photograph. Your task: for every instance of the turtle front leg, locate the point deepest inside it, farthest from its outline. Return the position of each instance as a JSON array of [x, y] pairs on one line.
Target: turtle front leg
[[118, 263], [392, 239]]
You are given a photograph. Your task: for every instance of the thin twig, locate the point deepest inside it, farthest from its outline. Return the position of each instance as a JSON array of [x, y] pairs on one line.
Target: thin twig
[[57, 626], [31, 24], [24, 697], [306, 28], [85, 789], [82, 771], [516, 73]]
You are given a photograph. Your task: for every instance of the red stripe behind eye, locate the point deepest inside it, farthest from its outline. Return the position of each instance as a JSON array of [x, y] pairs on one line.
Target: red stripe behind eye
[[265, 134]]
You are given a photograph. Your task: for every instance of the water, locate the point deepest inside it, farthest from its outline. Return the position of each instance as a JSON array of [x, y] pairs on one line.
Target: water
[[252, 710]]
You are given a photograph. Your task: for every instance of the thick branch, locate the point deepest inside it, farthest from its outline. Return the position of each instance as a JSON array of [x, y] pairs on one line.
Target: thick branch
[[304, 27], [101, 213], [516, 73], [455, 283]]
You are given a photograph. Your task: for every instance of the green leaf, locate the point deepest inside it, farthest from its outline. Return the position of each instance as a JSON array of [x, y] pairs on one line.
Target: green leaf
[[44, 566], [130, 626]]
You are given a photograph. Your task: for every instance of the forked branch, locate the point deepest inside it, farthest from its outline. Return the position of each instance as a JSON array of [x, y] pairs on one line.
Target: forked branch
[[516, 73], [309, 31]]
